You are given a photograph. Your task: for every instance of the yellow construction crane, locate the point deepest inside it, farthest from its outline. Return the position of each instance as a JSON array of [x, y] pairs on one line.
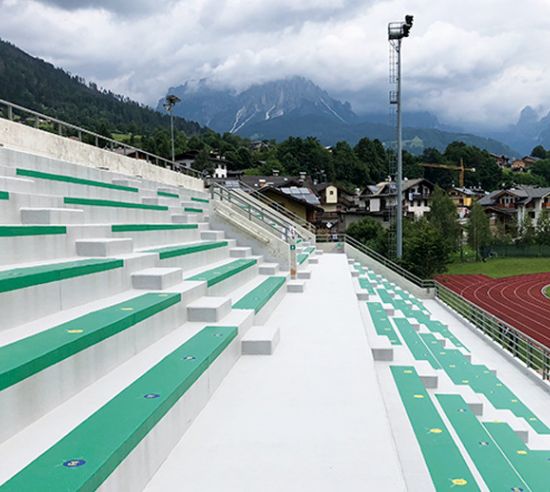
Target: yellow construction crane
[[461, 169]]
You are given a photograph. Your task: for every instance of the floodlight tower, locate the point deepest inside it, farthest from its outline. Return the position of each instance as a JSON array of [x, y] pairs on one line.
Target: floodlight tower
[[169, 103], [396, 32]]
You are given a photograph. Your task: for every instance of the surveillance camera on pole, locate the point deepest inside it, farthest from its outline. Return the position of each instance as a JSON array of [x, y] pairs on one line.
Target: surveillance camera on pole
[[396, 32], [169, 103]]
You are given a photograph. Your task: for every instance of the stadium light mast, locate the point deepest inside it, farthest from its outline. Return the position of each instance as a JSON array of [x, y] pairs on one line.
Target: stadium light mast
[[396, 32], [169, 103]]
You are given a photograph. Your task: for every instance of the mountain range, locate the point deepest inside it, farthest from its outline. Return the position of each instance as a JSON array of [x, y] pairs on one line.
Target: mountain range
[[297, 107]]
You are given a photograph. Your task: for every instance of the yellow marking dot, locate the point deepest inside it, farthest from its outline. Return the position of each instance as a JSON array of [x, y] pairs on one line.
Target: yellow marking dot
[[497, 421], [532, 419], [521, 451], [499, 384], [514, 401], [459, 481], [435, 431], [407, 371], [465, 381], [418, 396], [75, 331], [452, 365], [126, 309]]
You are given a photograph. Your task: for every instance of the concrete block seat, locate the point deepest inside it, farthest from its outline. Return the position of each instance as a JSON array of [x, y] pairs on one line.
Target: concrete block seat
[[27, 293], [24, 243], [415, 344], [148, 235], [227, 276], [445, 463], [115, 211], [266, 295], [132, 426], [192, 255], [513, 469], [67, 185], [381, 322], [85, 347], [366, 285], [11, 205]]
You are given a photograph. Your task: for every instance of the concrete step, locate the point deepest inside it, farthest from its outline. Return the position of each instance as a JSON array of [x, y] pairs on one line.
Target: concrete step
[[52, 216], [260, 340], [209, 309], [20, 185], [268, 269], [240, 252], [362, 296], [104, 246], [212, 235], [295, 286], [133, 183], [312, 260], [182, 219], [156, 278], [304, 274]]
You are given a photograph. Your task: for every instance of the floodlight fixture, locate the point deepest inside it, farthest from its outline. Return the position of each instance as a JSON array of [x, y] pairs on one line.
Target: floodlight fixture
[[170, 101]]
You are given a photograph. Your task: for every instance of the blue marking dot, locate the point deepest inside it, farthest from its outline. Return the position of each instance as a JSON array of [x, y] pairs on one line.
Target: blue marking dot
[[151, 396], [74, 463]]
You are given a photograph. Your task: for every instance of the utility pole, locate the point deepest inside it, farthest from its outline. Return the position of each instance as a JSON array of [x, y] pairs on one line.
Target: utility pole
[[169, 104], [396, 32]]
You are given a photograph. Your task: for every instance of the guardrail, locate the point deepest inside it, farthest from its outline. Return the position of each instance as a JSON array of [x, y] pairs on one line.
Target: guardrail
[[14, 112], [279, 208], [532, 353], [245, 207]]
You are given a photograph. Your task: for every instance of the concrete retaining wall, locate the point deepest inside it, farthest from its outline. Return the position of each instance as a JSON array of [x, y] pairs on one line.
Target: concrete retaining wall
[[28, 139]]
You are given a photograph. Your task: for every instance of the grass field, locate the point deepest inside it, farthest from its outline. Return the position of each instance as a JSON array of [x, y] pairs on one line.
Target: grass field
[[502, 267]]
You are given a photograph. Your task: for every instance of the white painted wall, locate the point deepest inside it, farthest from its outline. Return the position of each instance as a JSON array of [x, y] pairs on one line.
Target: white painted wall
[[28, 139]]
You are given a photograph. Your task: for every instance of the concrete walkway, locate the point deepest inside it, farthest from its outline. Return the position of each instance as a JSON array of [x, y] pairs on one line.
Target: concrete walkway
[[309, 417]]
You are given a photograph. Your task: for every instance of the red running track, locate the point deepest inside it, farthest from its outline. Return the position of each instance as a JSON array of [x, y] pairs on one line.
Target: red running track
[[517, 300]]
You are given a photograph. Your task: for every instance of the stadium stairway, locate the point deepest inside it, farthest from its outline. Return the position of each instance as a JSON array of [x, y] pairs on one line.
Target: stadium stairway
[[122, 312], [470, 429]]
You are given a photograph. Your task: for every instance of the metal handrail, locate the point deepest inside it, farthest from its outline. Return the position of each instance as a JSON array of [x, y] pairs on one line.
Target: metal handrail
[[277, 206], [530, 351], [250, 210], [533, 353], [109, 143]]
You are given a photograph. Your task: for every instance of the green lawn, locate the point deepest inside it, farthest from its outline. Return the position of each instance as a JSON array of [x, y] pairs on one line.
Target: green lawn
[[502, 267], [547, 292]]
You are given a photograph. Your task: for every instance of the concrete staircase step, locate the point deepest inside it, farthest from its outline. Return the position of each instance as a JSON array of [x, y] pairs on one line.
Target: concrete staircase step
[[212, 235], [304, 274], [104, 246], [295, 286], [313, 260], [182, 219], [362, 296], [260, 340], [209, 309], [133, 183], [156, 278], [52, 216], [240, 252], [268, 269]]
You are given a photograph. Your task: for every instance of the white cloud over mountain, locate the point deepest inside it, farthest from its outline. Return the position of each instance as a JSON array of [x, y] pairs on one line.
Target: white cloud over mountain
[[472, 62]]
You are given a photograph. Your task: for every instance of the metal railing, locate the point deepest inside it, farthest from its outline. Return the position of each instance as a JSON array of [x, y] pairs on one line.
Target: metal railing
[[14, 112], [247, 208], [532, 353], [278, 207], [411, 277]]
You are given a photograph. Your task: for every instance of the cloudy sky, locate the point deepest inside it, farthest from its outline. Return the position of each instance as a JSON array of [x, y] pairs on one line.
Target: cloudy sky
[[472, 62]]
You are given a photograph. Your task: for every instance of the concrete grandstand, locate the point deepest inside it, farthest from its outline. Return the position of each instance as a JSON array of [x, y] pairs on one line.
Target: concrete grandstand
[[157, 335]]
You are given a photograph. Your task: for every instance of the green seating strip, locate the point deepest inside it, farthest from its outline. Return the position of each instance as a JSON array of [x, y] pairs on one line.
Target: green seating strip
[[71, 179], [111, 203], [257, 298], [151, 227], [533, 466], [416, 345], [200, 200], [366, 285], [19, 278], [187, 249], [494, 467], [30, 355], [301, 258], [446, 465], [382, 323], [223, 272], [4, 195], [167, 194], [31, 230], [193, 210], [86, 456]]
